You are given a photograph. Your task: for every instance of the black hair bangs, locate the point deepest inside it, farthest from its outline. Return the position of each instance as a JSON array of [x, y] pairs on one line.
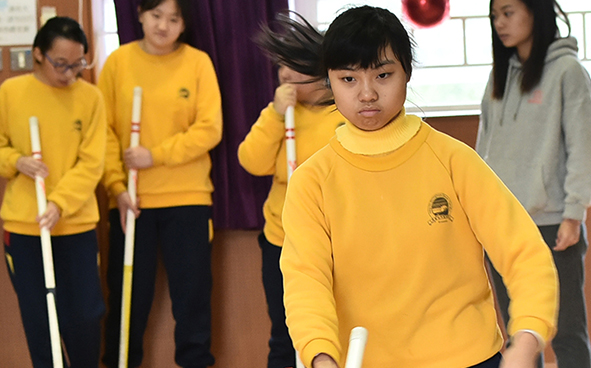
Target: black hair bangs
[[360, 37], [356, 50]]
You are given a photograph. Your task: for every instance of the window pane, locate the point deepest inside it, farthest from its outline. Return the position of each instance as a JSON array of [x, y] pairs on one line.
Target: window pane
[[441, 45], [110, 18], [588, 38], [329, 9], [478, 41], [453, 58], [577, 31], [465, 8], [447, 87], [111, 43], [394, 6], [574, 5]]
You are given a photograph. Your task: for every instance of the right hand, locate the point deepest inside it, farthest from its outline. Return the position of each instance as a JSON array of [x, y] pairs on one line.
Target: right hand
[[31, 167], [523, 352], [50, 217], [569, 233], [124, 203], [324, 361], [138, 158], [285, 95]]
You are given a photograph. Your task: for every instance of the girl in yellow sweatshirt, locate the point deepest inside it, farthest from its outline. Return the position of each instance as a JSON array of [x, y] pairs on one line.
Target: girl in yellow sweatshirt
[[386, 228], [263, 153], [72, 130], [181, 122]]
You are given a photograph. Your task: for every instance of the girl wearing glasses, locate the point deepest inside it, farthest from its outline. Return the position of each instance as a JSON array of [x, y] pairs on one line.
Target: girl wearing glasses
[[72, 127], [181, 122]]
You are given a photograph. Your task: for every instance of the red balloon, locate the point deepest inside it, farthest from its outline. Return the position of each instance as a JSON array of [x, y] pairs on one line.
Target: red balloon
[[425, 13]]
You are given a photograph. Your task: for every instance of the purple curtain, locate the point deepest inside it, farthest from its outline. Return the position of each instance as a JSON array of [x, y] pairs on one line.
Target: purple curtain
[[224, 29]]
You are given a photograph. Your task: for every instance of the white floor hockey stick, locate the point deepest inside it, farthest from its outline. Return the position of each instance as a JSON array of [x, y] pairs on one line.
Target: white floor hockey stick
[[129, 235], [46, 251], [357, 341], [290, 147], [290, 153], [299, 363]]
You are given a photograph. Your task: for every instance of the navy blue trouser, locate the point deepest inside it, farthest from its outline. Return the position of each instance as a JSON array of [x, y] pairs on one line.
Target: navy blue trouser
[[182, 235], [493, 362], [79, 299], [282, 353], [571, 343]]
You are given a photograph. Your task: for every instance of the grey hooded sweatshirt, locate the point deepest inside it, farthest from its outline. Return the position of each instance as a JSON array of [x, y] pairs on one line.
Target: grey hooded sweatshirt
[[539, 143]]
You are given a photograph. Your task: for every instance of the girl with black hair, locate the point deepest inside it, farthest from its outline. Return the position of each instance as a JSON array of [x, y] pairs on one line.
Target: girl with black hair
[[535, 133], [181, 121], [386, 227], [72, 127], [263, 152]]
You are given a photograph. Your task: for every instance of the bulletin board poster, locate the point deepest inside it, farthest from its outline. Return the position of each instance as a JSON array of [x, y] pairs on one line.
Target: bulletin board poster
[[18, 22]]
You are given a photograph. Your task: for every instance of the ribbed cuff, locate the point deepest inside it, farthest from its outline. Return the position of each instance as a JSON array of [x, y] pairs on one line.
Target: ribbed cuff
[[537, 325], [316, 347], [574, 211], [12, 159], [274, 114], [541, 341], [116, 189], [157, 156]]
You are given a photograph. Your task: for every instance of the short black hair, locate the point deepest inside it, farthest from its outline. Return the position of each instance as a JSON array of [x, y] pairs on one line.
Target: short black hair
[[296, 44], [59, 27], [360, 36], [184, 7]]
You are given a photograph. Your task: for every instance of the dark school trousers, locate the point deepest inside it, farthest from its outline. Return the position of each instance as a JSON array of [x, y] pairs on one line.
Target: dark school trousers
[[282, 353], [182, 235], [79, 299], [493, 362], [571, 343]]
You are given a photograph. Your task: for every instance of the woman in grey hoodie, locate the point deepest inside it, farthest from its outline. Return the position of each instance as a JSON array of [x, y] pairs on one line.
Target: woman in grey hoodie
[[535, 133]]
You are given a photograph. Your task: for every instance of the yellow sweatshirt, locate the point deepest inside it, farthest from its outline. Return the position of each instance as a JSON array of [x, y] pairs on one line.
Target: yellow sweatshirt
[[263, 153], [395, 242], [181, 122], [72, 129]]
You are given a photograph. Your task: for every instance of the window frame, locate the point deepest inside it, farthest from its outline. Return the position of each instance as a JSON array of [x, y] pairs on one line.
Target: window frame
[[308, 9], [100, 33]]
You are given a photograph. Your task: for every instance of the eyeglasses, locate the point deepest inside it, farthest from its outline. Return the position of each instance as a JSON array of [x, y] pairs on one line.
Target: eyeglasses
[[63, 68]]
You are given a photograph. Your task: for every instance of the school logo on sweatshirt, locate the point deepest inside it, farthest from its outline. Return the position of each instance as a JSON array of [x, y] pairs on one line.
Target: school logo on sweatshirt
[[184, 93], [440, 209], [536, 97], [78, 125]]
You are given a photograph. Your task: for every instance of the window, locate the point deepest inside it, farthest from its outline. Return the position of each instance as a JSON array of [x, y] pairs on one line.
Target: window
[[106, 36], [454, 58]]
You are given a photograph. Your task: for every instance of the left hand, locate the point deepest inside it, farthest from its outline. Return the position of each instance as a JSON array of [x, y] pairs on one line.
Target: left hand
[[323, 360], [50, 217], [124, 203], [522, 353], [569, 233], [31, 167], [138, 158]]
